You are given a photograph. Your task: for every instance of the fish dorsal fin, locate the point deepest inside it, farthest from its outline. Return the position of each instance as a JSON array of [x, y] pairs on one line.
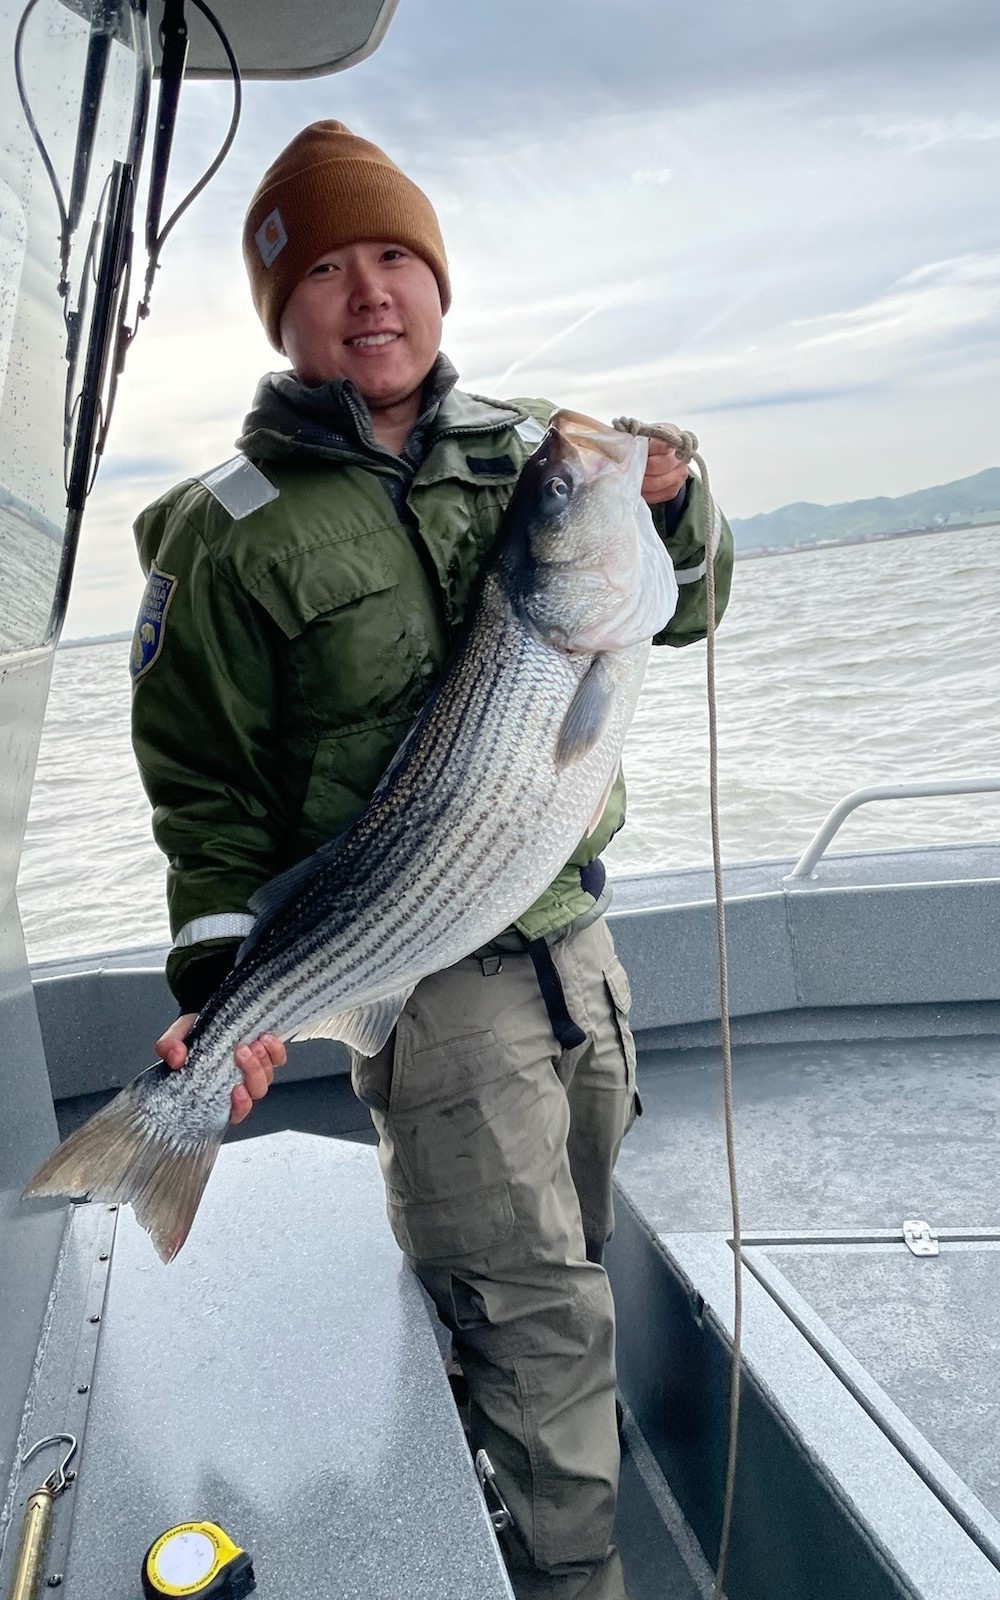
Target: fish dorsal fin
[[268, 902], [366, 1028], [587, 716]]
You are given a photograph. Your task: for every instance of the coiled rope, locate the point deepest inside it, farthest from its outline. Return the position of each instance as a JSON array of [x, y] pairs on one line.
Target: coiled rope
[[685, 446]]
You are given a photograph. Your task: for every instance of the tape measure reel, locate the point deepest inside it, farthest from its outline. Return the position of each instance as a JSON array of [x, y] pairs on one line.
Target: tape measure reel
[[197, 1558]]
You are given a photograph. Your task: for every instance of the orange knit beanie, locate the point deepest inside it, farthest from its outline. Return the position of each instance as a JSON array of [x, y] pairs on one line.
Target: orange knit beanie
[[327, 189]]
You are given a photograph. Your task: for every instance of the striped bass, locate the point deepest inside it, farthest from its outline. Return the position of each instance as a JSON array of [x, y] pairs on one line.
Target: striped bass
[[509, 765]]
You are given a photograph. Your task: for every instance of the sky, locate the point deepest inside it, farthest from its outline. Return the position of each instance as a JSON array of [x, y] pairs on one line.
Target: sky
[[776, 224]]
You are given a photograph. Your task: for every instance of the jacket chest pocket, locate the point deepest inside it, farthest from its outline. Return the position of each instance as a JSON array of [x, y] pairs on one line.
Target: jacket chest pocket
[[459, 522], [359, 649]]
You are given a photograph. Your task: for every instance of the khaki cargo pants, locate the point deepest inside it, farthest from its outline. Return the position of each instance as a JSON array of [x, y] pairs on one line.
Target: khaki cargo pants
[[497, 1148]]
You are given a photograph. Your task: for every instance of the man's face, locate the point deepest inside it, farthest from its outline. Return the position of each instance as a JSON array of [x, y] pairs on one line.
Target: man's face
[[370, 312]]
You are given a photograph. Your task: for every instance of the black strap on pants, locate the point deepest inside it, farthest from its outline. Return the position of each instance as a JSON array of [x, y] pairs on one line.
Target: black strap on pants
[[568, 1033]]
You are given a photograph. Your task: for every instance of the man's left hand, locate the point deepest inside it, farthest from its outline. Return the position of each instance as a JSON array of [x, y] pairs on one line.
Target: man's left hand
[[665, 475]]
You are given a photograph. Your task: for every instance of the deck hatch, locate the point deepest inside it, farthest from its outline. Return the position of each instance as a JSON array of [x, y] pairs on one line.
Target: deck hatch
[[917, 1343]]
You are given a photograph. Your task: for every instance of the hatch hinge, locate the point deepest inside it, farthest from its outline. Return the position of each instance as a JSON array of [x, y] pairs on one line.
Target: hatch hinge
[[918, 1238], [495, 1503]]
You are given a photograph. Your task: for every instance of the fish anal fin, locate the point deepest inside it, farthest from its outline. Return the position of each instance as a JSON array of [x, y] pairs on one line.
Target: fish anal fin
[[365, 1028], [587, 714], [122, 1156]]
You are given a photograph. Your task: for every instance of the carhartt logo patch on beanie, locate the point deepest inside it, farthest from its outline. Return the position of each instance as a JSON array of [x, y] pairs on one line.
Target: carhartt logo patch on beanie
[[271, 238], [326, 190]]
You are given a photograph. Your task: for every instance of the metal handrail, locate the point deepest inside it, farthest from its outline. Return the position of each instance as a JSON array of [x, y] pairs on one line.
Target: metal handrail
[[883, 791]]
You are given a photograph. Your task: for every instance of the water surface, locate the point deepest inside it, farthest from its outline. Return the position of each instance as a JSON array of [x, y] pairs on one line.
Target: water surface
[[837, 668]]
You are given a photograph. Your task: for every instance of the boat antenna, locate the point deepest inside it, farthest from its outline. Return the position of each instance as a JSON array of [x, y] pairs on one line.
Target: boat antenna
[[173, 35], [174, 49]]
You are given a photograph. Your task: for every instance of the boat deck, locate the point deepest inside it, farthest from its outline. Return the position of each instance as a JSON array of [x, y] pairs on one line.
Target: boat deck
[[866, 1023], [877, 1366], [845, 1135]]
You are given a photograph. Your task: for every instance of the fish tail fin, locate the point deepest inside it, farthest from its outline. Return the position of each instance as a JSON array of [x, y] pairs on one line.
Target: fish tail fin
[[122, 1155]]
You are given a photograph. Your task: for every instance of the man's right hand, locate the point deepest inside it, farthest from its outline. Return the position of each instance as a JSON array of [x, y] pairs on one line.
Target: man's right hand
[[256, 1062]]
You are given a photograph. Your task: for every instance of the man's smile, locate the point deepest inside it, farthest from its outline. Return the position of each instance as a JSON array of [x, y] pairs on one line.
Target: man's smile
[[371, 341]]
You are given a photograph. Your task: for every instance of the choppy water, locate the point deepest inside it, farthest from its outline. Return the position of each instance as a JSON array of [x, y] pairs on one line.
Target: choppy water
[[836, 669]]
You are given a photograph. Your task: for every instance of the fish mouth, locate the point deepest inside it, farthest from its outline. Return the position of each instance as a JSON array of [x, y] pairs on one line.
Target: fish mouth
[[586, 437]]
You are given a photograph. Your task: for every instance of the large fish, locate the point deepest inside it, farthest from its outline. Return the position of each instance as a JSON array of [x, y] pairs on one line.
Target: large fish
[[507, 767]]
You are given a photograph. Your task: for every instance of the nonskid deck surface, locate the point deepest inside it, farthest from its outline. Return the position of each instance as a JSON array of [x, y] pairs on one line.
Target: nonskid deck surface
[[838, 1144], [661, 1556], [829, 1136]]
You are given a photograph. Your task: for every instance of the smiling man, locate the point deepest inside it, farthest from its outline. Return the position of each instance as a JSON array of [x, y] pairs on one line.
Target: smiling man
[[302, 602]]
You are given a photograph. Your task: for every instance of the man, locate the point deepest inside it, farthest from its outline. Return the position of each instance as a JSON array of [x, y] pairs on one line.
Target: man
[[301, 606]]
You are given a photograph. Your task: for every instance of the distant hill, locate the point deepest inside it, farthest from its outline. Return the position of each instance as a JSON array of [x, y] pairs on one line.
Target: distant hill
[[966, 502], [97, 638]]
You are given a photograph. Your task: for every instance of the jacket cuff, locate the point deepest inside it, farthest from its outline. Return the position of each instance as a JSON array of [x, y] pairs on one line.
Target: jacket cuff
[[197, 980], [667, 513]]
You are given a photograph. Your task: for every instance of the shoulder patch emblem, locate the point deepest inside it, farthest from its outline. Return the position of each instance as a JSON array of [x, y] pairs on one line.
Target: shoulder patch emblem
[[147, 640]]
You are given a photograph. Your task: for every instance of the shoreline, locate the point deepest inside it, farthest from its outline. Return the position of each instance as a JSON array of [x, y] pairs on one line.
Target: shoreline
[[753, 551]]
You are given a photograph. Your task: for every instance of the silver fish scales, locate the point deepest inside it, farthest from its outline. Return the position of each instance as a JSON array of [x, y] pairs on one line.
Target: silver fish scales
[[507, 767]]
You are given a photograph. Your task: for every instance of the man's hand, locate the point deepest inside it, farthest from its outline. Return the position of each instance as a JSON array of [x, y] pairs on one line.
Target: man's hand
[[665, 475], [256, 1062]]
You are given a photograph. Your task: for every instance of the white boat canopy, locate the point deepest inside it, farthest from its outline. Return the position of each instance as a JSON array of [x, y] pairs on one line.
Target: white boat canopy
[[299, 39]]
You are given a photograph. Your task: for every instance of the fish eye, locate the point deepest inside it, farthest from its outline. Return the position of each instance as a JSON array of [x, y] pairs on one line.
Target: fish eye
[[558, 488]]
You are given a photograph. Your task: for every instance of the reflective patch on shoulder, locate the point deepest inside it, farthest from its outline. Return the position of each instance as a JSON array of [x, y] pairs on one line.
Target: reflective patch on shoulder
[[147, 641], [531, 431], [239, 487]]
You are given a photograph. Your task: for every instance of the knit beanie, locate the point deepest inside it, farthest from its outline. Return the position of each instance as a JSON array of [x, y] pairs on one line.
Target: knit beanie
[[328, 189]]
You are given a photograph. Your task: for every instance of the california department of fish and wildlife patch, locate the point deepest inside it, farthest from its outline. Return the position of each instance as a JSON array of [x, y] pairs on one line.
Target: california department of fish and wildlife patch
[[147, 641]]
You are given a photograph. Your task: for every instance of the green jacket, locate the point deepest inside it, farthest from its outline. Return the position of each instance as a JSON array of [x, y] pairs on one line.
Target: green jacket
[[282, 651]]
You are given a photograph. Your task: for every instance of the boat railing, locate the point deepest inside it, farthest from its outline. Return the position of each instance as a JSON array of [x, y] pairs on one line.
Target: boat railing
[[923, 788]]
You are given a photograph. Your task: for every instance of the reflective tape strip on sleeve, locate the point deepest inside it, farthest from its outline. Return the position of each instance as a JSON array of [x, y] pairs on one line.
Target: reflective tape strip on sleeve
[[239, 487], [693, 574], [227, 925], [531, 431]]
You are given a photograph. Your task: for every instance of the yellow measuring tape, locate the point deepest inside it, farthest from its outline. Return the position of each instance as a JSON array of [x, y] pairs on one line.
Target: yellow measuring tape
[[197, 1558]]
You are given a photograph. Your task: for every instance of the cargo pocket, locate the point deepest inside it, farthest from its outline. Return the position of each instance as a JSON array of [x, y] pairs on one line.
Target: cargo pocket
[[465, 1227], [620, 993], [371, 1076], [464, 1114]]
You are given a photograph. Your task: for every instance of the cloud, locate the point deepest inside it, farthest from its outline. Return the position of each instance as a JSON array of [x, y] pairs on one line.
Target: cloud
[[924, 306], [137, 468], [713, 215], [790, 397], [917, 134]]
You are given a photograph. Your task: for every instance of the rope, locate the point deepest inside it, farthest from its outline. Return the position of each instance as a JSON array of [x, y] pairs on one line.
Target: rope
[[685, 446]]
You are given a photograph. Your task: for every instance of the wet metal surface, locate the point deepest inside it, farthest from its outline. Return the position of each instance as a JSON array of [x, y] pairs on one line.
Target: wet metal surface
[[281, 1377], [829, 1136], [928, 1333], [880, 1366]]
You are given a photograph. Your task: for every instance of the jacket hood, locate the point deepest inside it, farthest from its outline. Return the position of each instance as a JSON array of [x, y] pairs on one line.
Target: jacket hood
[[289, 417]]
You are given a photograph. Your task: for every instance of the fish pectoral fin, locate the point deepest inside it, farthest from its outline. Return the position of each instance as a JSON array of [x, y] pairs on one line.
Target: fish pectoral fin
[[587, 715], [602, 803], [366, 1028]]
